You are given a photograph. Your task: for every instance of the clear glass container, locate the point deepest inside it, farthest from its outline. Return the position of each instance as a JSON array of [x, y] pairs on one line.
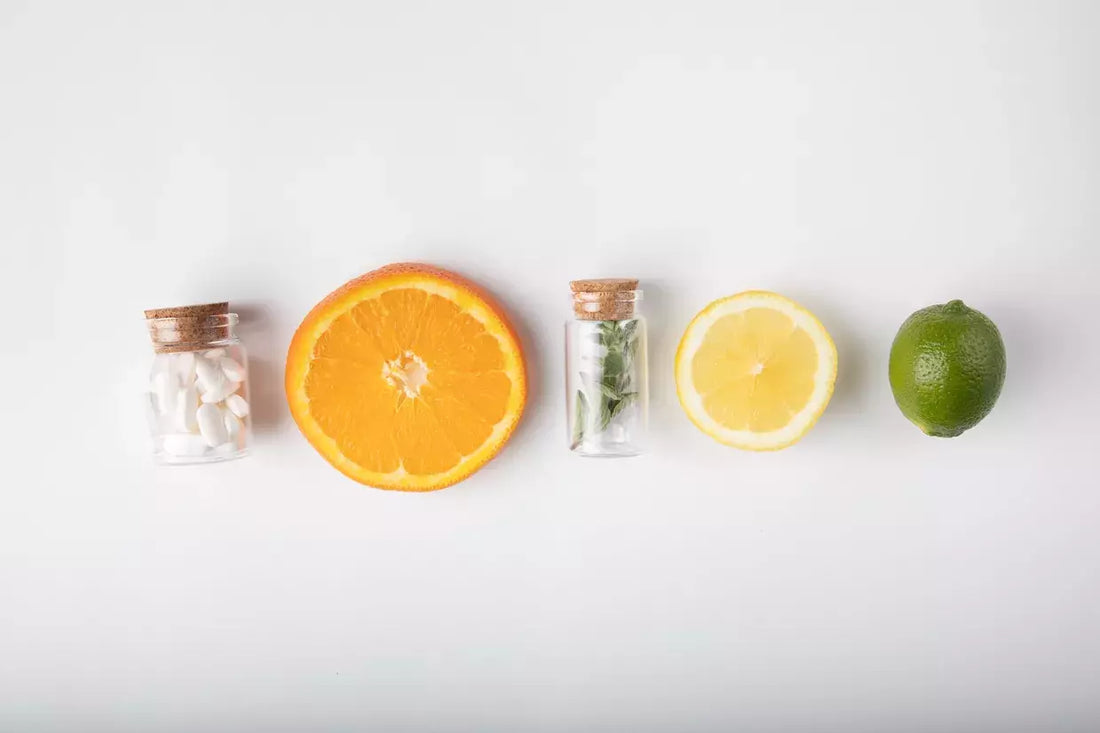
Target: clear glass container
[[606, 373], [198, 402]]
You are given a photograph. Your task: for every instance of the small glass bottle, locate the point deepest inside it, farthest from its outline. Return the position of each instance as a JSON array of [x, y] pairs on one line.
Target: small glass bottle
[[198, 386], [606, 376]]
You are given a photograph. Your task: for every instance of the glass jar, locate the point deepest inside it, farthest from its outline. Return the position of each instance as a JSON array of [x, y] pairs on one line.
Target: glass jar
[[198, 386], [606, 376]]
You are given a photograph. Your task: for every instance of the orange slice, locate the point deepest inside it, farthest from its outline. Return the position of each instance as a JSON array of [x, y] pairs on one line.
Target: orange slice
[[409, 377]]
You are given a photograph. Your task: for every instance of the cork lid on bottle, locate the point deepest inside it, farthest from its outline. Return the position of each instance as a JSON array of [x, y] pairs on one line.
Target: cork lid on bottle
[[188, 327], [605, 299]]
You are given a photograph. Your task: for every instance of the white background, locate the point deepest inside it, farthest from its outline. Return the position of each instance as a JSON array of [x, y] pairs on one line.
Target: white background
[[865, 159]]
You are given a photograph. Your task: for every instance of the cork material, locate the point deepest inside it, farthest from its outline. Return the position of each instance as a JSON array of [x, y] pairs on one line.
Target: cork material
[[604, 285], [189, 327], [604, 299], [189, 311]]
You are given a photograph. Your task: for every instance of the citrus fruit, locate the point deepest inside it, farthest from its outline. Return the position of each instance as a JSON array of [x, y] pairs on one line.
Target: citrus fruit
[[755, 370], [947, 365], [409, 377]]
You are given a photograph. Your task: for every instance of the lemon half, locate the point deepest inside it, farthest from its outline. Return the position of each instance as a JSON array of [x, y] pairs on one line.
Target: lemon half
[[755, 370]]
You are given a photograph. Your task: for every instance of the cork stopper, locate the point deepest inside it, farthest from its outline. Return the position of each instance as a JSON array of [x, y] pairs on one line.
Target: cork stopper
[[189, 327], [189, 311], [605, 299]]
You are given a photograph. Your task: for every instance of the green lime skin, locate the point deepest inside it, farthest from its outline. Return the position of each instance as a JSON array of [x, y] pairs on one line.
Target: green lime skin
[[947, 365]]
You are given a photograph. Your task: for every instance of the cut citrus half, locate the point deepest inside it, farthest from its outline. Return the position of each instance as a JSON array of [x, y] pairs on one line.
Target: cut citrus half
[[755, 370], [409, 377]]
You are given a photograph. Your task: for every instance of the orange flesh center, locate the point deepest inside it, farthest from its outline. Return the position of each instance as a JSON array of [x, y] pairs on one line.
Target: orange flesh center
[[409, 372], [755, 370], [407, 381]]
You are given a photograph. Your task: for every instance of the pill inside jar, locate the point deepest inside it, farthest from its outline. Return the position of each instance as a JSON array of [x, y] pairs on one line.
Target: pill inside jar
[[197, 396]]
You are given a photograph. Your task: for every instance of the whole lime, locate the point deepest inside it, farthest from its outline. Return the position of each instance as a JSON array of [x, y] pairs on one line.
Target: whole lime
[[947, 365]]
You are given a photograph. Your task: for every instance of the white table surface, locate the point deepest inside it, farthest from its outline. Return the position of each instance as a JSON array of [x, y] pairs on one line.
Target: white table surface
[[867, 159]]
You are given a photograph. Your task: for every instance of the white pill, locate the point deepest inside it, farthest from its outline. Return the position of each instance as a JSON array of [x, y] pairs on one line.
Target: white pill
[[183, 445], [237, 405], [232, 369], [162, 363], [209, 375], [226, 449], [232, 425], [213, 384], [184, 367], [187, 402], [165, 389], [153, 414], [211, 425], [214, 354], [220, 392]]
